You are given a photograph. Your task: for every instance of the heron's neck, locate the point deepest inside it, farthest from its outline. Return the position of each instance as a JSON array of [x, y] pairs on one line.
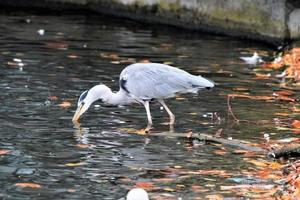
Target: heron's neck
[[117, 98]]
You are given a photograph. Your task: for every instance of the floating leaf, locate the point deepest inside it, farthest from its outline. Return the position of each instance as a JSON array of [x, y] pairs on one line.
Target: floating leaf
[[274, 165], [296, 123], [72, 56], [291, 60], [163, 180], [115, 62], [83, 146], [295, 109], [198, 188], [297, 186], [144, 61], [240, 151], [145, 185], [168, 189], [256, 162], [264, 164], [295, 131], [178, 167], [241, 89], [128, 61], [272, 65], [57, 45], [52, 98], [284, 93], [268, 174], [214, 197], [71, 190], [134, 131], [182, 56], [4, 152], [220, 152], [112, 56], [180, 186], [75, 164], [168, 63], [262, 76], [30, 185], [65, 104], [285, 98]]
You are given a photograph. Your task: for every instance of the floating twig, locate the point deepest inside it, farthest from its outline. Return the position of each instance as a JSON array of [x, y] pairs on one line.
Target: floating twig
[[230, 109]]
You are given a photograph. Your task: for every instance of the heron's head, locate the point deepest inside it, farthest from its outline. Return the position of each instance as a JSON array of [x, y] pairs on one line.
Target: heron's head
[[88, 97], [205, 83]]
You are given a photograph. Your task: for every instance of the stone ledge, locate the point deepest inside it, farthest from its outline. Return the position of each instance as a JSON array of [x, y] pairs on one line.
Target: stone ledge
[[268, 20]]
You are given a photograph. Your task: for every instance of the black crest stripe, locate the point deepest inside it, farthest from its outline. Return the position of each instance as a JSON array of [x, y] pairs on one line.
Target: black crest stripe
[[122, 84], [83, 95]]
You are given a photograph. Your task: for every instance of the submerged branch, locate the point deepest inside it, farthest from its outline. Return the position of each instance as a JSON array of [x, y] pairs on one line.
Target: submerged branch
[[231, 113], [230, 109], [292, 150], [209, 138]]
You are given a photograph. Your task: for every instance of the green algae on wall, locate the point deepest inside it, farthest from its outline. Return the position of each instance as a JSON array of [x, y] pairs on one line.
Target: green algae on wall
[[271, 20], [247, 17], [255, 20], [80, 2], [164, 5]]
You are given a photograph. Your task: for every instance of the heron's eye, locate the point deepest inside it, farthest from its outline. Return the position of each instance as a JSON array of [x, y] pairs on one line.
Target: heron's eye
[[82, 97]]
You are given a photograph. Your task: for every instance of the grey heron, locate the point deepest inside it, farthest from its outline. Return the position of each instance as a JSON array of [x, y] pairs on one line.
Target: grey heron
[[141, 83]]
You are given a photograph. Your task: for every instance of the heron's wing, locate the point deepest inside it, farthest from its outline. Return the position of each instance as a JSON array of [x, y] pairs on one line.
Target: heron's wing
[[151, 80]]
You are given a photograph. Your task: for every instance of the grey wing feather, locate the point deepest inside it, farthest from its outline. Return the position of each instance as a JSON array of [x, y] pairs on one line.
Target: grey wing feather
[[159, 81]]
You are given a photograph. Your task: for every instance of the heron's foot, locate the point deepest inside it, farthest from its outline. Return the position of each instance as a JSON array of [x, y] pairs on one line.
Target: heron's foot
[[77, 124], [148, 128], [172, 120], [141, 132], [171, 128], [171, 123]]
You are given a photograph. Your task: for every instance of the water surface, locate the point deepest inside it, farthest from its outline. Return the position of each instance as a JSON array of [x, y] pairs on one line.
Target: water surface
[[100, 160]]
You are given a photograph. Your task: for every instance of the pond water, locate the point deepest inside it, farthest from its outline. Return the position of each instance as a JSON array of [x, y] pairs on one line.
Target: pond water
[[100, 159]]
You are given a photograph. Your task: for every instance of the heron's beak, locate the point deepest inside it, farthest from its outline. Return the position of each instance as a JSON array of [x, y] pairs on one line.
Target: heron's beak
[[80, 110]]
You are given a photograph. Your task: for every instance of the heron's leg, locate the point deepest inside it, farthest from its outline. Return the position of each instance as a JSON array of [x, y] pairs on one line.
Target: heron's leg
[[172, 116], [147, 107]]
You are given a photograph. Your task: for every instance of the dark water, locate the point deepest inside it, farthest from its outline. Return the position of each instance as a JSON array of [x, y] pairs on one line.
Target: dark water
[[100, 160]]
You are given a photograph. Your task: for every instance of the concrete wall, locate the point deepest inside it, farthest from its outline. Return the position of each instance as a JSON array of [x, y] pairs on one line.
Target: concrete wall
[[269, 20]]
